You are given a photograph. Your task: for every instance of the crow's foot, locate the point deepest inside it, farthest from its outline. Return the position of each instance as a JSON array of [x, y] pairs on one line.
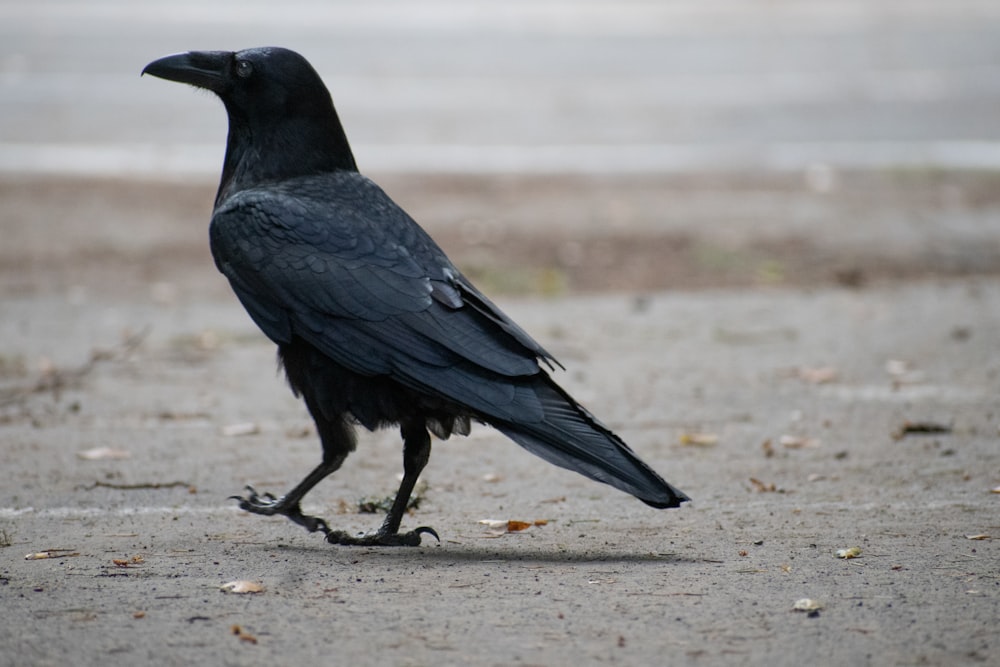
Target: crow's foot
[[268, 505], [381, 539]]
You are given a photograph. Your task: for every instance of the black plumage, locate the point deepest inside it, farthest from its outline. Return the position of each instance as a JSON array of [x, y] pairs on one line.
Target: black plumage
[[374, 324]]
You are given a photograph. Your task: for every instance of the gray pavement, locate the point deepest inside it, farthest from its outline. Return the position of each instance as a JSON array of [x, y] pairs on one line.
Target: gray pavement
[[827, 168], [607, 579]]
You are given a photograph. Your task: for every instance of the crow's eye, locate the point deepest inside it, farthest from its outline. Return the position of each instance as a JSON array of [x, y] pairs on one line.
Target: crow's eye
[[244, 69]]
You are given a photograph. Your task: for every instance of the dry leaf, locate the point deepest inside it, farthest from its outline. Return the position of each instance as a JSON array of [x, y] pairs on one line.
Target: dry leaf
[[852, 552], [244, 637], [511, 525], [768, 448], [980, 536], [762, 487], [995, 489], [699, 439], [134, 560], [101, 453], [819, 375], [139, 614], [51, 553], [242, 586], [797, 442], [242, 428], [807, 604]]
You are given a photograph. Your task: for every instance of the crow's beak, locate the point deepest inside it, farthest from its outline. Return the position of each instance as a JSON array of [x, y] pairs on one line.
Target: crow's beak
[[204, 69]]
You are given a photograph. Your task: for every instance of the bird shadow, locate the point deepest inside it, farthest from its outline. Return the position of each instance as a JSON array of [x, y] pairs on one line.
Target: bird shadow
[[510, 551]]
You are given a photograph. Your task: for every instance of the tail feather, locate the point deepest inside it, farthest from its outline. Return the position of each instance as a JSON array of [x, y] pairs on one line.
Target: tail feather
[[572, 438]]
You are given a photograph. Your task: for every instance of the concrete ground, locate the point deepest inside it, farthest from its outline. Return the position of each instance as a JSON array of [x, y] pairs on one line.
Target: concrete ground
[[762, 237], [780, 410]]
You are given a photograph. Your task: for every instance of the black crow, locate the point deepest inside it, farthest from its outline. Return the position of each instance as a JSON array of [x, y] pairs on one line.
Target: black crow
[[374, 325]]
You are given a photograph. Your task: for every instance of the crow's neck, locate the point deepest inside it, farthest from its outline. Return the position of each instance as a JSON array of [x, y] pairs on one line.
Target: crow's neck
[[295, 147]]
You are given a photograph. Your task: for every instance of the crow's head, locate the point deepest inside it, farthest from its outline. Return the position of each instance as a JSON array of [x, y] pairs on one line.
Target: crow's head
[[261, 85], [282, 122]]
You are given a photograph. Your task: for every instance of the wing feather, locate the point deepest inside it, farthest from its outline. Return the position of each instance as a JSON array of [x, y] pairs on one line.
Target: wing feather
[[333, 260]]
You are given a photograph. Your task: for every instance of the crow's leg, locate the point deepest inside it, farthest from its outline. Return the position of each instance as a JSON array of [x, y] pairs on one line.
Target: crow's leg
[[416, 453], [337, 437], [288, 504]]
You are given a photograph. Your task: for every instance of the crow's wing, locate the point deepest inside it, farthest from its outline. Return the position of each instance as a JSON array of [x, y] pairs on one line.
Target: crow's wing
[[333, 260]]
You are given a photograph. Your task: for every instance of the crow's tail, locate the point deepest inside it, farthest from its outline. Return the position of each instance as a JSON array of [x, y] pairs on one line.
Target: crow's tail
[[570, 437]]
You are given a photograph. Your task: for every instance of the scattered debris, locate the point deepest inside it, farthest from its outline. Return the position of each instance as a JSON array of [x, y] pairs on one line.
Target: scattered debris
[[818, 375], [851, 552], [51, 553], [920, 428], [376, 505], [699, 439], [240, 429], [139, 614], [980, 536], [995, 489], [502, 526], [491, 477], [127, 562], [762, 487], [382, 505], [175, 415], [244, 636], [52, 379], [373, 505], [768, 448], [242, 586], [798, 442], [103, 453], [142, 485], [807, 604], [902, 373]]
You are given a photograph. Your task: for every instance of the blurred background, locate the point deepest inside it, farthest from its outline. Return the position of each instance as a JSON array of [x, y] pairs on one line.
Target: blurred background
[[550, 146]]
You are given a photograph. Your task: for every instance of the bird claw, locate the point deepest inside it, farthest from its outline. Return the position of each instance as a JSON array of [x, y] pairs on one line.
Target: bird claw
[[428, 530], [268, 505], [381, 539], [259, 504]]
